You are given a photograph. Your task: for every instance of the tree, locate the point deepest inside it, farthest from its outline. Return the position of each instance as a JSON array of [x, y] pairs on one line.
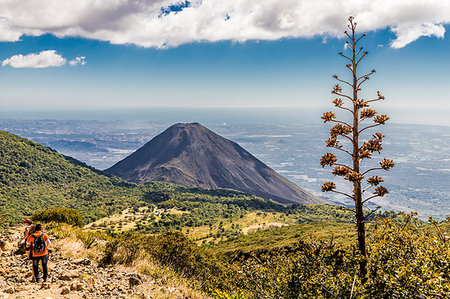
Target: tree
[[354, 145]]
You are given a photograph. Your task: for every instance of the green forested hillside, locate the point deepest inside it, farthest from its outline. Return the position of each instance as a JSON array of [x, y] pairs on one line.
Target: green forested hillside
[[35, 177]]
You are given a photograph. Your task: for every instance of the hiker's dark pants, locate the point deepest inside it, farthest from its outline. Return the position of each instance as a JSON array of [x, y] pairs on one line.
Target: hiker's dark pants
[[44, 260]]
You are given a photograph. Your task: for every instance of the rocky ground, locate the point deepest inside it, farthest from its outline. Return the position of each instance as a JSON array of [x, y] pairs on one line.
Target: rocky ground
[[74, 278]]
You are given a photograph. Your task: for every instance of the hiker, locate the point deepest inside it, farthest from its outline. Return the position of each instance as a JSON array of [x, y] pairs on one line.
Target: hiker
[[29, 230], [38, 244]]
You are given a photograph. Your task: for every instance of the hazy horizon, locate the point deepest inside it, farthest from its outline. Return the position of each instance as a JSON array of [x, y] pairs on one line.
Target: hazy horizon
[[279, 115]]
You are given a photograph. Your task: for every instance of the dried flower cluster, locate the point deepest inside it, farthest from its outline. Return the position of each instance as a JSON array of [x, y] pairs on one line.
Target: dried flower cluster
[[332, 142], [374, 180], [354, 176], [387, 164], [341, 170], [381, 119], [338, 102], [328, 159], [340, 130], [328, 186], [367, 113], [328, 116]]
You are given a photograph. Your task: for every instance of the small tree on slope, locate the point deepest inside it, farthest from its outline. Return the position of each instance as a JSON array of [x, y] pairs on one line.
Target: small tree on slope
[[351, 132]]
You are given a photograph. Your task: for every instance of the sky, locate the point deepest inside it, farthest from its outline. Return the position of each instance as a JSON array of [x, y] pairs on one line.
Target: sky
[[83, 54]]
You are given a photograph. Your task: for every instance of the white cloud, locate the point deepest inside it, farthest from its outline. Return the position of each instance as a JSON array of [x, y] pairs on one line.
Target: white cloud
[[43, 59], [408, 35], [166, 23], [78, 60]]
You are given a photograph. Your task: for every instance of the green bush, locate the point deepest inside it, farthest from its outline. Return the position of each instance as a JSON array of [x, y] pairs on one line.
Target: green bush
[[59, 215], [171, 249]]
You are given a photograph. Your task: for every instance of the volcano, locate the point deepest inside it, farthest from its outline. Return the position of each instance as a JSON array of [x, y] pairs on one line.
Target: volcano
[[194, 156]]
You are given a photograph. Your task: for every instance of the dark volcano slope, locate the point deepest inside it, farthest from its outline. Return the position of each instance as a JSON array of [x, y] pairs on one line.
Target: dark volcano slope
[[194, 156]]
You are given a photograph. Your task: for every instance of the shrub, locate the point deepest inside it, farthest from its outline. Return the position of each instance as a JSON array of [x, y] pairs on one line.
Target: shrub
[[59, 215], [171, 249]]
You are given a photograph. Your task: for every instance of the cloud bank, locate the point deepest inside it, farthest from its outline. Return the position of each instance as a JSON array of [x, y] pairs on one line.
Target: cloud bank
[[44, 59], [169, 23]]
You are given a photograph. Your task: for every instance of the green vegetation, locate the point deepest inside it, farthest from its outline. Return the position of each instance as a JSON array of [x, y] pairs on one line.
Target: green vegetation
[[286, 237], [34, 177], [403, 260], [59, 215], [172, 250]]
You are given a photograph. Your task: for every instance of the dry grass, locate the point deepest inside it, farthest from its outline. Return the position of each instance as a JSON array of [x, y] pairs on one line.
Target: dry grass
[[76, 249], [162, 281], [262, 226]]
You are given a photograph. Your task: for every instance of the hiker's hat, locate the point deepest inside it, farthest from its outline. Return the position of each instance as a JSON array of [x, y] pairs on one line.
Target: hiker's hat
[[27, 221]]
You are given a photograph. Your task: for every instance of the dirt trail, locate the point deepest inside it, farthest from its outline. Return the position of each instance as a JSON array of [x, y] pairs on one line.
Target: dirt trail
[[73, 278]]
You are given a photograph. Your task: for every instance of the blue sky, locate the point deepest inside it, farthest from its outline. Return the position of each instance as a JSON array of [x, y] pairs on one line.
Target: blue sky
[[257, 70]]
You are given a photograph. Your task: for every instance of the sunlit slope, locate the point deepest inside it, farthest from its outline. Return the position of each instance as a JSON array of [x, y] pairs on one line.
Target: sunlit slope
[[35, 177]]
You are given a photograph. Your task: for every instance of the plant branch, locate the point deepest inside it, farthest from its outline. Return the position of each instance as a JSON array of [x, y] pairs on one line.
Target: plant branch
[[343, 95], [369, 198], [340, 53], [343, 81], [371, 169], [339, 164], [351, 140], [372, 212], [343, 193], [344, 108], [359, 51], [347, 209], [340, 122], [350, 68], [360, 38], [365, 79], [372, 126], [368, 74], [359, 60], [373, 100], [367, 188], [343, 150], [347, 33]]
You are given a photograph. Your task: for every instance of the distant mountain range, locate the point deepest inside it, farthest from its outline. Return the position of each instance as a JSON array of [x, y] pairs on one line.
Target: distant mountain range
[[194, 156]]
